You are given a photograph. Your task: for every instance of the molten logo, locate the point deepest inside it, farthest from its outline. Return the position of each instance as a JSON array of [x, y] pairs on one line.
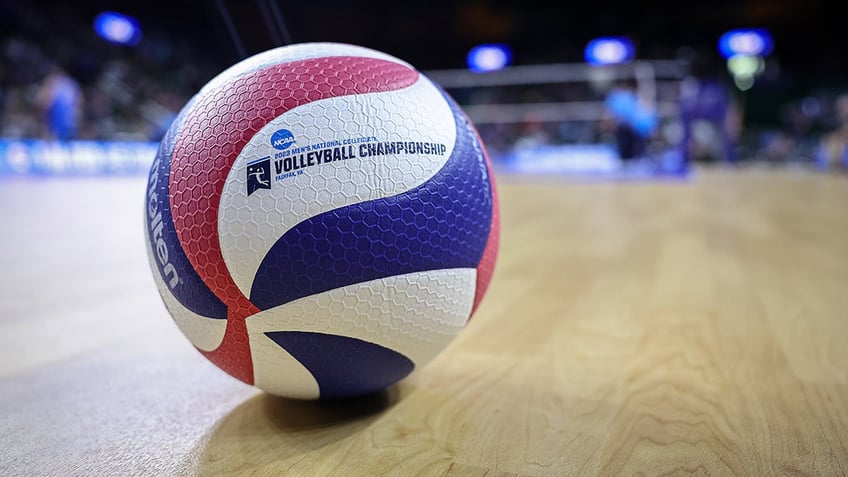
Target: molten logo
[[154, 213], [282, 139]]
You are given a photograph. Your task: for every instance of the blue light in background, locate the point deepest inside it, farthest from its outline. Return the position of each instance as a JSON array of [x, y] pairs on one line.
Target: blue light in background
[[745, 42], [118, 28], [493, 57], [611, 50]]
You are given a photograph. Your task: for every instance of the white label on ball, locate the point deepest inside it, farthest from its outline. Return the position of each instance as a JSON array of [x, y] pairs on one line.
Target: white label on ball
[[326, 155]]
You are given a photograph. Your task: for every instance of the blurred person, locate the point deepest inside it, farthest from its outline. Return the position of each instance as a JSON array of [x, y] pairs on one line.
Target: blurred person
[[532, 134], [707, 102], [161, 113], [60, 100], [832, 152], [5, 86], [634, 122], [777, 148]]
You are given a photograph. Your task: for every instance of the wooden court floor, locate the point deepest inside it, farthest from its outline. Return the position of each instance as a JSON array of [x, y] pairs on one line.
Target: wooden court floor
[[666, 328]]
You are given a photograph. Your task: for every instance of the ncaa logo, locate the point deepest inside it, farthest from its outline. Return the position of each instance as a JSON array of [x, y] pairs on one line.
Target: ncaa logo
[[282, 139]]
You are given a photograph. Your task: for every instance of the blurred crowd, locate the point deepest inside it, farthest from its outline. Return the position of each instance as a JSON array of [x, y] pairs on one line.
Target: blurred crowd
[[59, 80], [702, 116]]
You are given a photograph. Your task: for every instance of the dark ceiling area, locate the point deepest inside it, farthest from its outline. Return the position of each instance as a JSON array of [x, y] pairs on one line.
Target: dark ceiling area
[[438, 34]]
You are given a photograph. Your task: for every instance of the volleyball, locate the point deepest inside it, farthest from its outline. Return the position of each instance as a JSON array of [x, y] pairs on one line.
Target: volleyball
[[321, 220]]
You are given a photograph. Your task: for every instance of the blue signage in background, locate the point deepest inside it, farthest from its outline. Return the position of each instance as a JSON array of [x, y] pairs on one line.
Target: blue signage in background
[[28, 157]]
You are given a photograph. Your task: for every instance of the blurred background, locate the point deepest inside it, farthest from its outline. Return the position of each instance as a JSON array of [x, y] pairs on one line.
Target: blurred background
[[601, 89]]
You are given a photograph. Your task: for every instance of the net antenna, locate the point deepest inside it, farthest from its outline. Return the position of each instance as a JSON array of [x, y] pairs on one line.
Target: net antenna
[[277, 29], [271, 17], [231, 28]]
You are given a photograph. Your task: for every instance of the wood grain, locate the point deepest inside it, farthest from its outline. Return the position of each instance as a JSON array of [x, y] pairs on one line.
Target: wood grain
[[677, 328]]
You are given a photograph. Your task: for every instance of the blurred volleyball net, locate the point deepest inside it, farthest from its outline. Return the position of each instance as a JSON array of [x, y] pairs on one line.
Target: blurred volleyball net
[[563, 118], [548, 118]]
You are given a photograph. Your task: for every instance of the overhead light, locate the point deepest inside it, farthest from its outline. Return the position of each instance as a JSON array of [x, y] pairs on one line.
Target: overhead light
[[745, 42], [491, 57], [117, 28], [609, 51]]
